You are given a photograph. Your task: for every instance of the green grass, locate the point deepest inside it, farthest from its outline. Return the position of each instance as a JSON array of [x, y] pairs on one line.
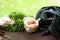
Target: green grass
[[29, 7]]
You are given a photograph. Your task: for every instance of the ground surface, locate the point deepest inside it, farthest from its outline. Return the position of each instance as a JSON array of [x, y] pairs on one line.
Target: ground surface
[[26, 36]]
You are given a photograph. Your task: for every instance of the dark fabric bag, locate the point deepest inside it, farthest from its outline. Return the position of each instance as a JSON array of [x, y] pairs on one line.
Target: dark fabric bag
[[50, 20]]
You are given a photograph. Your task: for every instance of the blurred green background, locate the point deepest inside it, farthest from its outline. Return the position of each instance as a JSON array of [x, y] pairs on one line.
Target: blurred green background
[[29, 7]]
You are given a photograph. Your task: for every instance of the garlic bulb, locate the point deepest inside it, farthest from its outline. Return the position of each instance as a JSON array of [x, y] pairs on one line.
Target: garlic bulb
[[1, 22], [5, 20], [30, 24]]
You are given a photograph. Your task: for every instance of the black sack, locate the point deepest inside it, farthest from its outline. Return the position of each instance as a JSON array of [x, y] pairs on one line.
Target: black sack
[[49, 22]]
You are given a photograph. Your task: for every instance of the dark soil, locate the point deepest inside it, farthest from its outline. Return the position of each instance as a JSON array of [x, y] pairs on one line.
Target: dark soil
[[27, 36]]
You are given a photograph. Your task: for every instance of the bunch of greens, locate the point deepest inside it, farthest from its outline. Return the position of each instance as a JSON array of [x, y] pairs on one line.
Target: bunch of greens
[[18, 25]]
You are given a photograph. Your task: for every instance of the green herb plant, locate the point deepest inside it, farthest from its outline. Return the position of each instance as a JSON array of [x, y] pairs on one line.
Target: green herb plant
[[18, 25]]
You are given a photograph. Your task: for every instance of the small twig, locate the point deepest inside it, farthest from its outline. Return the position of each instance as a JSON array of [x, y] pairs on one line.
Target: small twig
[[50, 18], [5, 36]]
